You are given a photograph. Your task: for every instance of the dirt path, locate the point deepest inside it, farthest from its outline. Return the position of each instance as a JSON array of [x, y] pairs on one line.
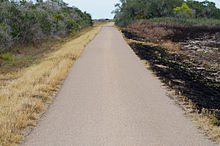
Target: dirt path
[[110, 99]]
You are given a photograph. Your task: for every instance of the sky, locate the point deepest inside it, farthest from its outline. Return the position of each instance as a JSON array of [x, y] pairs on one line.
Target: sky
[[217, 2], [103, 8], [97, 8]]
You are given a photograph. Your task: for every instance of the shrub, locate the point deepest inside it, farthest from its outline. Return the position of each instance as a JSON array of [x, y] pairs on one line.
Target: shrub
[[26, 22], [204, 9], [7, 56], [5, 37], [129, 10], [187, 21], [183, 11], [72, 26]]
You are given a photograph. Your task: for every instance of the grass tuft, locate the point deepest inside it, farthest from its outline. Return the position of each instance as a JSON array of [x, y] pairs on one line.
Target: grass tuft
[[7, 57], [216, 122], [188, 21]]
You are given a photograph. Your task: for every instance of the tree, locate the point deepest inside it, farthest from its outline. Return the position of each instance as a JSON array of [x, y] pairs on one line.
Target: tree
[[204, 9], [23, 21], [184, 11], [128, 10]]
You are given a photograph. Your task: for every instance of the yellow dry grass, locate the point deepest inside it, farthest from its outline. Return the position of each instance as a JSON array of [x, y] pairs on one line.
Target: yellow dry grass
[[174, 47], [24, 99], [204, 121]]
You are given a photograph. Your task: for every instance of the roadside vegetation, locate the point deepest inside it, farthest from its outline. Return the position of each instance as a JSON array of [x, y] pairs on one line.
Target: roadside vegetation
[[26, 93], [39, 42], [180, 42], [130, 10], [187, 21], [29, 22]]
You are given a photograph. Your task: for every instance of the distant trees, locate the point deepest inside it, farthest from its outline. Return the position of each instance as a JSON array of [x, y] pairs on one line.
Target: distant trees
[[183, 11], [204, 9], [128, 10], [25, 21]]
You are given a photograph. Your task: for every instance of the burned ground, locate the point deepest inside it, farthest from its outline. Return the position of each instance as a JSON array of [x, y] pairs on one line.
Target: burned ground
[[193, 69]]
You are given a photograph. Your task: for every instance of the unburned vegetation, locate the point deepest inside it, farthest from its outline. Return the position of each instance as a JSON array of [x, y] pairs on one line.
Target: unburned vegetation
[[25, 94], [30, 21], [39, 42]]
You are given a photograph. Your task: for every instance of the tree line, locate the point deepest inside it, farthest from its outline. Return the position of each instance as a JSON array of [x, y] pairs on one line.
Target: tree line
[[128, 10], [27, 21]]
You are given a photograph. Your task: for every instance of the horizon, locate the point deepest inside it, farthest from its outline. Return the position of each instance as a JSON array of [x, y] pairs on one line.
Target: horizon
[[100, 9]]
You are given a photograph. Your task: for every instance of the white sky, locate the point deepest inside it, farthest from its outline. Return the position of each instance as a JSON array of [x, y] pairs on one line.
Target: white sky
[[102, 8], [217, 2], [97, 8]]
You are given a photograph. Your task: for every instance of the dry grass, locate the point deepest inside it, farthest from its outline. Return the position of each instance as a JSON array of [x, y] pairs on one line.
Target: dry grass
[[171, 46], [25, 98], [202, 120], [150, 31]]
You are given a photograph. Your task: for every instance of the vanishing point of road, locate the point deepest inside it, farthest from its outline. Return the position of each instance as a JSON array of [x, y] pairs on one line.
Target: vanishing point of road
[[110, 99]]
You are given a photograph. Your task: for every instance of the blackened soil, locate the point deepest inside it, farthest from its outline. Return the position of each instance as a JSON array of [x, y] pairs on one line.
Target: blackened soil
[[183, 76], [190, 32]]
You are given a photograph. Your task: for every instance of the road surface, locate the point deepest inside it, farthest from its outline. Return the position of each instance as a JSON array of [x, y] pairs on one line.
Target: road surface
[[110, 99]]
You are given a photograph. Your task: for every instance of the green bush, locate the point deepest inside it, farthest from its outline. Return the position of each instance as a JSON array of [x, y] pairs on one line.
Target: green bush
[[7, 57], [5, 37], [216, 122], [72, 26], [188, 21], [184, 11], [25, 21], [205, 9], [129, 10]]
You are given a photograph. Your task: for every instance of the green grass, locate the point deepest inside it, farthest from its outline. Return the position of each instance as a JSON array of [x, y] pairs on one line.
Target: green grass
[[26, 66], [188, 21], [31, 58], [216, 122], [9, 63], [7, 57]]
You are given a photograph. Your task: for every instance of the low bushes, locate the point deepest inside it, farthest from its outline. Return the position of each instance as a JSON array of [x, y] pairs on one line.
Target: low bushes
[[25, 21], [130, 10], [187, 21]]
